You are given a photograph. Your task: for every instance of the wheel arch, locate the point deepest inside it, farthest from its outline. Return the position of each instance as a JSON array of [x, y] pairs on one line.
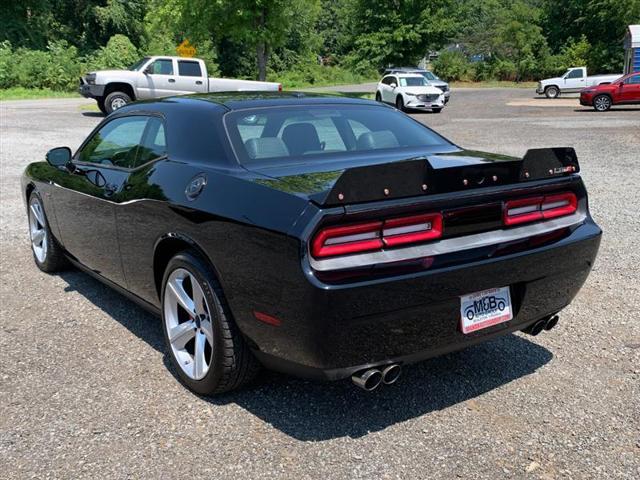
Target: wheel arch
[[120, 87], [168, 246]]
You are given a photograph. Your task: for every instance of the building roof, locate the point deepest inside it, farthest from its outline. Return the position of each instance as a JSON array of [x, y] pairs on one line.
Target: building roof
[[632, 38]]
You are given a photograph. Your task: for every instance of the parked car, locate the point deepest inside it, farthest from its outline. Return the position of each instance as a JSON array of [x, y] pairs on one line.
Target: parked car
[[624, 91], [429, 75], [326, 237], [573, 80], [410, 91], [155, 77]]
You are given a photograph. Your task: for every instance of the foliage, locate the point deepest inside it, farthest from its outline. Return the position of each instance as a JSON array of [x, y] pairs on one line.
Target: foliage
[[118, 53], [452, 65]]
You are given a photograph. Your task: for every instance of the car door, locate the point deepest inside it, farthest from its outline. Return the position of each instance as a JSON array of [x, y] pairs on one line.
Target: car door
[[159, 79], [388, 95], [630, 89], [574, 80], [86, 197], [191, 77]]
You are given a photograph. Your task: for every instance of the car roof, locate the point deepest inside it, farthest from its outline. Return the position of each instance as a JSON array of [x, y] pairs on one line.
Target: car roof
[[405, 75], [242, 100]]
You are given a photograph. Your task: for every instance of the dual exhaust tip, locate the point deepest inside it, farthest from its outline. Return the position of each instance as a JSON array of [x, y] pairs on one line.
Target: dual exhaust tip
[[372, 378], [544, 324]]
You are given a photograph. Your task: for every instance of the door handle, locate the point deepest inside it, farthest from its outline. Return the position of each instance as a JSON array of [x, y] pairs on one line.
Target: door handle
[[172, 80], [198, 82]]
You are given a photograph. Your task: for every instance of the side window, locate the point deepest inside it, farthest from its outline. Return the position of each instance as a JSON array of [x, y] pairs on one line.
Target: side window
[[393, 80], [386, 80], [189, 69], [575, 74], [634, 80], [162, 66], [126, 142], [154, 143]]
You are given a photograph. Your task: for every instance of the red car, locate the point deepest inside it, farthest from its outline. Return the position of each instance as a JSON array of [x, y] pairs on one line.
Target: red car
[[625, 90]]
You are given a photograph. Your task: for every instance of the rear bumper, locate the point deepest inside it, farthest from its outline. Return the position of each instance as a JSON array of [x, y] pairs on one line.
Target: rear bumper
[[330, 331]]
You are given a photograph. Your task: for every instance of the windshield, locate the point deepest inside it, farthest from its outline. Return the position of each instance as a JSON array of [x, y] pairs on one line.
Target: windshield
[[317, 132], [430, 76], [413, 81], [138, 64]]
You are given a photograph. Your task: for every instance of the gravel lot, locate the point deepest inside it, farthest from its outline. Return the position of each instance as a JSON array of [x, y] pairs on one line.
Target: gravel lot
[[85, 392]]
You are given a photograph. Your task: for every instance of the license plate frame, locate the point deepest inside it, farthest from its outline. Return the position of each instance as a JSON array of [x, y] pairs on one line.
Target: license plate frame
[[485, 308]]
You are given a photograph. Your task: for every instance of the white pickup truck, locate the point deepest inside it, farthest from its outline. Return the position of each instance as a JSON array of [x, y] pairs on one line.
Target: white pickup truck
[[574, 80], [153, 77]]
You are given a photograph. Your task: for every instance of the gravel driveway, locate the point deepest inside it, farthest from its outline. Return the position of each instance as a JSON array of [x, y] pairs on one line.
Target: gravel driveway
[[85, 392]]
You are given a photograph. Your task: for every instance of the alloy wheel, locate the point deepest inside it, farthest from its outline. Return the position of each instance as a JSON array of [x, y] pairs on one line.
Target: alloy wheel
[[117, 103], [37, 229], [602, 103], [188, 323]]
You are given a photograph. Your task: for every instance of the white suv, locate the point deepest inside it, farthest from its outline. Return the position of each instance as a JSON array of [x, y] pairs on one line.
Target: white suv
[[410, 91]]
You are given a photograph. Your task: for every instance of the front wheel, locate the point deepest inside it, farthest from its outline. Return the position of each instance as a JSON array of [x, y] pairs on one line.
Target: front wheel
[[552, 92], [400, 103], [47, 253], [116, 100], [602, 103], [206, 347], [101, 105], [378, 97]]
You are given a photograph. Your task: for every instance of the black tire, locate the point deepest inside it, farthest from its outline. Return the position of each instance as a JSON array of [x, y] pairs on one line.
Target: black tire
[[400, 103], [232, 365], [54, 259], [436, 110], [378, 97], [101, 105], [115, 100], [602, 103], [552, 92]]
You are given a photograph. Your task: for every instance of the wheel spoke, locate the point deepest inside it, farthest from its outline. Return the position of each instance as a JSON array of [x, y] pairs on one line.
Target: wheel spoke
[[37, 237], [198, 297], [207, 329], [200, 363], [182, 297], [37, 212], [182, 333]]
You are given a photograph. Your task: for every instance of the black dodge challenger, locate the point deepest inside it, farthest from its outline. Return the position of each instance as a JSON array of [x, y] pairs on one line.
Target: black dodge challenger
[[322, 236]]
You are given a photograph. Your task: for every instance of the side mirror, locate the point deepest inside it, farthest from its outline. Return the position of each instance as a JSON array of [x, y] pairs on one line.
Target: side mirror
[[148, 70], [59, 157], [393, 85]]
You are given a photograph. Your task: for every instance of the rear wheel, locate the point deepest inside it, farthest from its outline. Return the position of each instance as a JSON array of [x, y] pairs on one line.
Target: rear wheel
[[47, 253], [116, 100], [552, 92], [400, 103], [205, 345], [602, 103]]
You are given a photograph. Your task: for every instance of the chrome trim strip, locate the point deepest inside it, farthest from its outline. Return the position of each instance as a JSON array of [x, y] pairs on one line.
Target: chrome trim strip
[[448, 245]]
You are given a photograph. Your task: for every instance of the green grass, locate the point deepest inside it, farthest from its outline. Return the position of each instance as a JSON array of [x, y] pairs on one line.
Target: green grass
[[493, 84], [21, 93]]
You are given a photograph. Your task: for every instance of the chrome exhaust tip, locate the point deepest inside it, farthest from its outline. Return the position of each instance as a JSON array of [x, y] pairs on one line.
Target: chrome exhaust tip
[[552, 322], [367, 380], [391, 374], [536, 328]]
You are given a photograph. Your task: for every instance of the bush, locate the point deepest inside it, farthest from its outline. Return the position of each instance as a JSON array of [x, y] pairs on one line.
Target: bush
[[504, 70], [452, 66], [118, 53], [309, 73]]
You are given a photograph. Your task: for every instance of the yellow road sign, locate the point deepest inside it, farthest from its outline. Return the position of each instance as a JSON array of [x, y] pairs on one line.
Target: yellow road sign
[[185, 49]]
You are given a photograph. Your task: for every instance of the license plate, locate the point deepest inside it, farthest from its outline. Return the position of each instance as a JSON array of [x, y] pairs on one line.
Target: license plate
[[484, 309]]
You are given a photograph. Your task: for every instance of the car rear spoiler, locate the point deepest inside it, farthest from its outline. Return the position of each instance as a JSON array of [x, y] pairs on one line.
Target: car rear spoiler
[[417, 176]]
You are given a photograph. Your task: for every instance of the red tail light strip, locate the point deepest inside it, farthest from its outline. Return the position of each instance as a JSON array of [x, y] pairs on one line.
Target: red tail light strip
[[414, 230], [533, 209]]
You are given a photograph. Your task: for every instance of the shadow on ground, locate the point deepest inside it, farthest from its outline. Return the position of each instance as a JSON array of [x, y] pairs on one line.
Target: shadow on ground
[[314, 411]]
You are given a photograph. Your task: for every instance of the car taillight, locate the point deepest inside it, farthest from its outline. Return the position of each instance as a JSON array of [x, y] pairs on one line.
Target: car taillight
[[421, 228], [527, 210], [364, 237], [348, 239]]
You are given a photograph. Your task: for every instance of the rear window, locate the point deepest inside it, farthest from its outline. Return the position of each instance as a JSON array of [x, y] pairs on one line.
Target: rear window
[[287, 134]]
